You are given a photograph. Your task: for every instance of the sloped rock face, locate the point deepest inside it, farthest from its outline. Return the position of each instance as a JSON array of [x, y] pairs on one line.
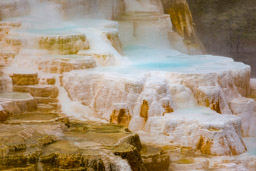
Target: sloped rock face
[[227, 28], [182, 22]]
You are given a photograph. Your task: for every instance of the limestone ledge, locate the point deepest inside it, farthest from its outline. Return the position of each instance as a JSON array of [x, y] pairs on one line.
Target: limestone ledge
[[115, 98], [17, 106], [137, 100], [201, 129], [62, 64], [102, 58], [64, 44], [220, 91], [24, 79]]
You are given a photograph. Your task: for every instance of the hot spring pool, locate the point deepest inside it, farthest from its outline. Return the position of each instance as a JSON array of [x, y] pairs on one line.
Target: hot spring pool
[[144, 59]]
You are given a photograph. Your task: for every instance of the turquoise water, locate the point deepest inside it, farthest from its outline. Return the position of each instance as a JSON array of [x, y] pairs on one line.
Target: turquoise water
[[250, 143]]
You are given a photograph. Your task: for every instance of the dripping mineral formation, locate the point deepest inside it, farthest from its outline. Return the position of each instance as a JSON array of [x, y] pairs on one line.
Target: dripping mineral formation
[[118, 85]]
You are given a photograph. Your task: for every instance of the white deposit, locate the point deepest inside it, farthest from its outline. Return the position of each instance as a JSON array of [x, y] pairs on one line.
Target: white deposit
[[122, 58]]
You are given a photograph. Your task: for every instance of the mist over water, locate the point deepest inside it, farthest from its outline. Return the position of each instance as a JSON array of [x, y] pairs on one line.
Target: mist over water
[[121, 62]]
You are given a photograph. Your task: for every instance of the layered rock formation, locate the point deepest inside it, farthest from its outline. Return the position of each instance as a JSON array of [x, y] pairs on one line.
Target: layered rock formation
[[74, 88]]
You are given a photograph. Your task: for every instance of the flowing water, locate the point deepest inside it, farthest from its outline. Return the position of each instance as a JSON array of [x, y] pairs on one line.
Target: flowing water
[[87, 63]]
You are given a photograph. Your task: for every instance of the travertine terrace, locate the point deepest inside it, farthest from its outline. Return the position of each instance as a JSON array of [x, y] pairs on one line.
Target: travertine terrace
[[109, 85]]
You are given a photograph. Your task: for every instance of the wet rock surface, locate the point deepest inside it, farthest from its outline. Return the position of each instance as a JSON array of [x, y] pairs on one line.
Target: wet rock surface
[[45, 141]]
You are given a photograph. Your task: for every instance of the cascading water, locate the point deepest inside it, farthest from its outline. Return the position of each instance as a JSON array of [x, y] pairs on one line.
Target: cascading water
[[113, 61]]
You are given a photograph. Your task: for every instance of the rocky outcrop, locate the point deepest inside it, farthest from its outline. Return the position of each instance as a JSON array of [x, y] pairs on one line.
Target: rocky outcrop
[[182, 23], [129, 148]]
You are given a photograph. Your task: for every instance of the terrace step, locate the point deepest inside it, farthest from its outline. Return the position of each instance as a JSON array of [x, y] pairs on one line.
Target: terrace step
[[46, 108], [47, 91], [24, 79], [46, 100]]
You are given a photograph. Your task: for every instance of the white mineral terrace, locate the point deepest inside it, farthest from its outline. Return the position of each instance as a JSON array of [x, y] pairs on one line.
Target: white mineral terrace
[[126, 72]]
